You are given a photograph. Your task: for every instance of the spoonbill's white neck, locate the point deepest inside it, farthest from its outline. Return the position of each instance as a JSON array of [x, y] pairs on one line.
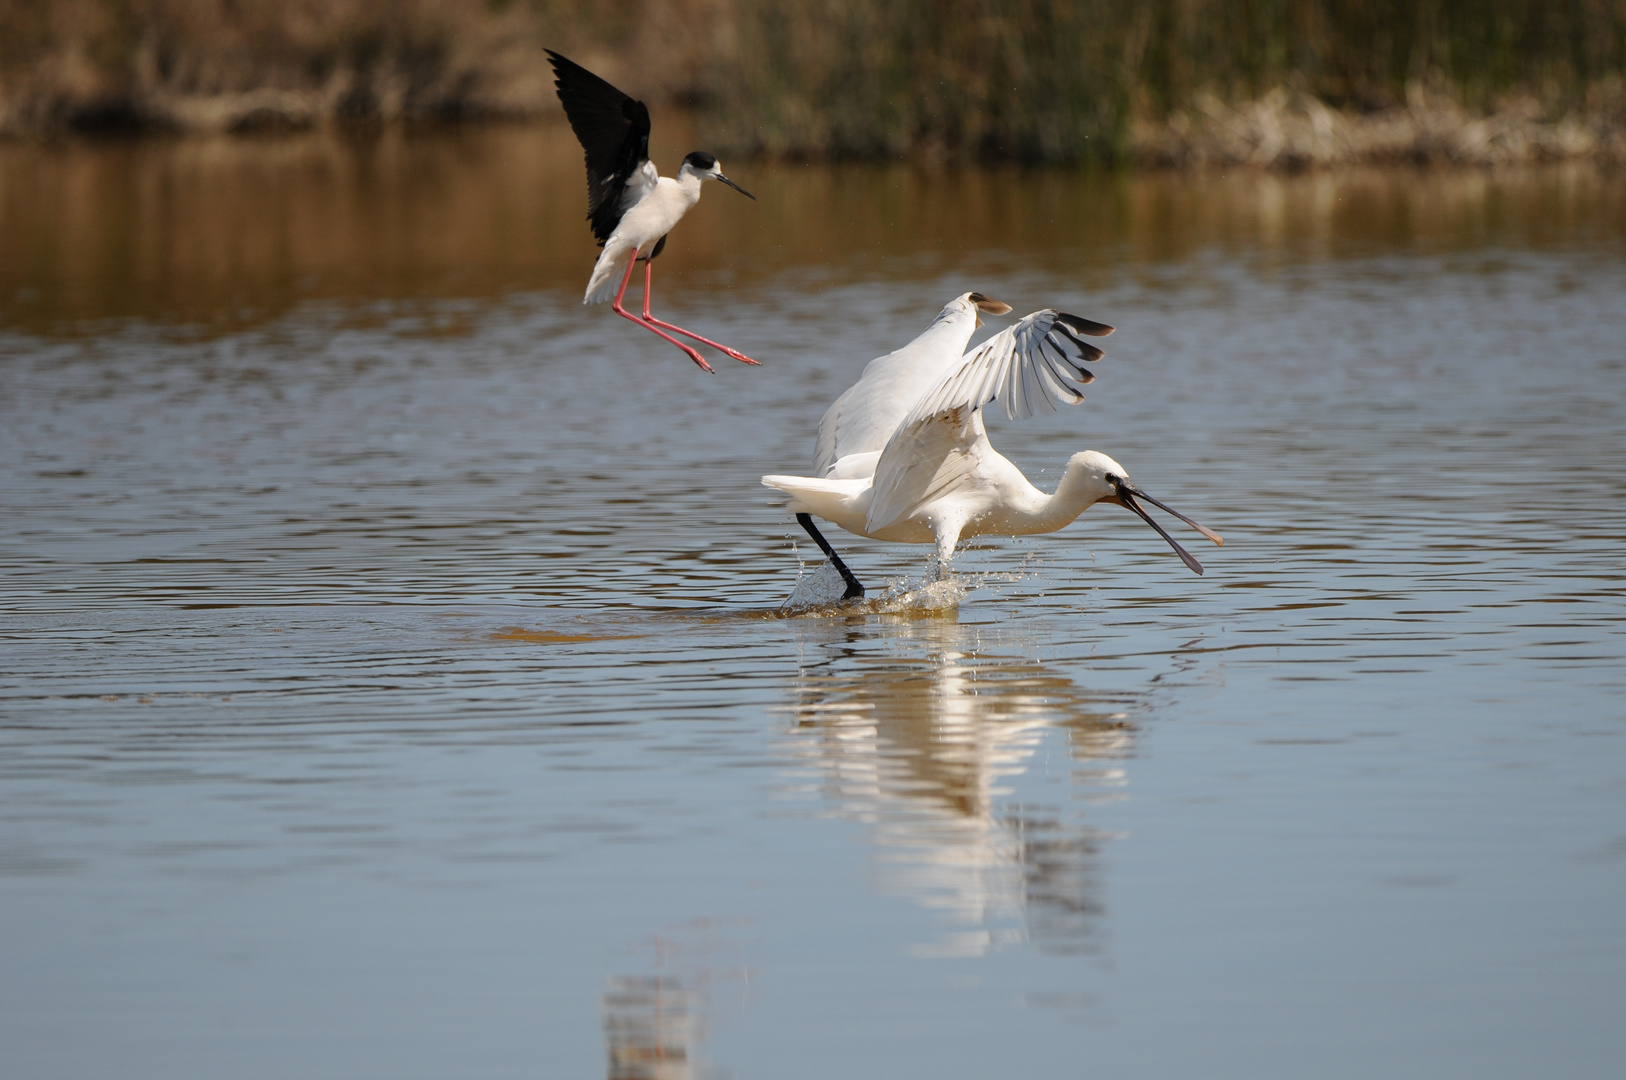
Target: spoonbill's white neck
[[1083, 484]]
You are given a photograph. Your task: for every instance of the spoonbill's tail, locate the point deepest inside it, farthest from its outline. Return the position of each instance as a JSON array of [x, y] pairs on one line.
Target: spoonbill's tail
[[840, 501], [834, 500]]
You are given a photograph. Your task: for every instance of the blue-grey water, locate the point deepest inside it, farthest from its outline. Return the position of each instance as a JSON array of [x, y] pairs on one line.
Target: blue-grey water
[[393, 681]]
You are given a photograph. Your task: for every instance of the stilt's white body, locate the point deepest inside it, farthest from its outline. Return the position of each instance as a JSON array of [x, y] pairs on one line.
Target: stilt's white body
[[630, 205], [652, 205]]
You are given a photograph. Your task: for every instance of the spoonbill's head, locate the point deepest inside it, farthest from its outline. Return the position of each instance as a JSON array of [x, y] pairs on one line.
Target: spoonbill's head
[[970, 304], [705, 166], [1104, 480]]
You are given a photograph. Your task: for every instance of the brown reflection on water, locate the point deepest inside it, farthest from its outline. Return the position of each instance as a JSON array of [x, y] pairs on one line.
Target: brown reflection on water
[[220, 232], [920, 748], [656, 1023], [652, 1028]]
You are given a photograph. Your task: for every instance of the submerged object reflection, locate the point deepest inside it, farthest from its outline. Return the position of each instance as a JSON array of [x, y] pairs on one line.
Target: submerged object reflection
[[651, 1028], [656, 1024]]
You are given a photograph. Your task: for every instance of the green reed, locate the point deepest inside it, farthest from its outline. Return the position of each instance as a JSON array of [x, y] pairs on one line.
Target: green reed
[[1064, 80]]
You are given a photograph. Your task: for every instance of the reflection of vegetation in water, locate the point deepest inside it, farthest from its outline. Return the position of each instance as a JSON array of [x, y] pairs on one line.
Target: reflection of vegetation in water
[[1054, 80], [920, 748], [223, 232]]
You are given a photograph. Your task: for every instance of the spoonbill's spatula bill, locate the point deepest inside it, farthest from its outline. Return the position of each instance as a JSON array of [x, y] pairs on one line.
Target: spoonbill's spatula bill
[[902, 455], [631, 206]]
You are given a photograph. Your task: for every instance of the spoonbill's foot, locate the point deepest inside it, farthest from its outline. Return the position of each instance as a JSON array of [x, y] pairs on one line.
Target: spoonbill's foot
[[855, 589]]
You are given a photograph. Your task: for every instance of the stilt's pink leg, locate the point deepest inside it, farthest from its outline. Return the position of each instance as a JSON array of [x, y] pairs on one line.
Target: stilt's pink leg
[[649, 270], [625, 314]]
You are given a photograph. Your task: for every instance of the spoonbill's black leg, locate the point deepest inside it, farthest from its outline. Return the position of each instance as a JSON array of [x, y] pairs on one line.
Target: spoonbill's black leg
[[855, 591]]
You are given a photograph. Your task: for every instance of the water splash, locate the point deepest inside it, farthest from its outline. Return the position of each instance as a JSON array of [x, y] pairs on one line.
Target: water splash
[[819, 594]]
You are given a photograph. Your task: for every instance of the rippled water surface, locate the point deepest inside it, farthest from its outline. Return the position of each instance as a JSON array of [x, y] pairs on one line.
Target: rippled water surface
[[394, 681]]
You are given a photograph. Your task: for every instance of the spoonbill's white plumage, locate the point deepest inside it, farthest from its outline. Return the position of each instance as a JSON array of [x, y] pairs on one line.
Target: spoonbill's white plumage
[[630, 205], [902, 455]]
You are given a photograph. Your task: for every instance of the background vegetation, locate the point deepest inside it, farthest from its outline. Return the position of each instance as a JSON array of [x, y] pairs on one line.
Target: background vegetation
[[1065, 80], [1070, 80]]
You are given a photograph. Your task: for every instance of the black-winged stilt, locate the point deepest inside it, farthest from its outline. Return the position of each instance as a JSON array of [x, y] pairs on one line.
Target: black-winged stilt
[[631, 206]]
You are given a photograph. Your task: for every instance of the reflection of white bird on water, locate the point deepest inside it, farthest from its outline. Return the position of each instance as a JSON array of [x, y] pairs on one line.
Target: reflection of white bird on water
[[631, 206], [902, 455]]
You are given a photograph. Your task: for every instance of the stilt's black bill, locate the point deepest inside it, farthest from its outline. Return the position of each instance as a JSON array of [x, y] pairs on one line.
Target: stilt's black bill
[[736, 187]]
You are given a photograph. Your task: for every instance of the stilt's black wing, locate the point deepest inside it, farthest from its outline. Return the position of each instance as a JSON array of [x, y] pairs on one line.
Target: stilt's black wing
[[614, 132]]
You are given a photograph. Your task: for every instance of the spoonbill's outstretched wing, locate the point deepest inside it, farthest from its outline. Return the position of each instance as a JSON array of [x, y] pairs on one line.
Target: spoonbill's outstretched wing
[[927, 463], [613, 129], [855, 429], [864, 417], [1033, 366]]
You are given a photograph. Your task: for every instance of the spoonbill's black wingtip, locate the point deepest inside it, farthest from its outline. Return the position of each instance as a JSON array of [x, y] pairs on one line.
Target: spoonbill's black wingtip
[[1078, 324]]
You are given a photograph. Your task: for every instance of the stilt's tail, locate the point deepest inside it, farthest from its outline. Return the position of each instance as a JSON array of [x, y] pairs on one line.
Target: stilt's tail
[[606, 275]]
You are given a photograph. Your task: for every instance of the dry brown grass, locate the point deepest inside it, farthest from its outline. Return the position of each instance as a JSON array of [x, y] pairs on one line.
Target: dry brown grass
[[235, 65], [1290, 129]]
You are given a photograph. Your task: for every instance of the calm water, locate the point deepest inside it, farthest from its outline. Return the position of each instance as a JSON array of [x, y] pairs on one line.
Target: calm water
[[393, 682]]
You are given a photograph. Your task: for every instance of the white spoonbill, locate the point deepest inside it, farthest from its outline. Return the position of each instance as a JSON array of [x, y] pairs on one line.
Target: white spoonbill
[[631, 206], [903, 456]]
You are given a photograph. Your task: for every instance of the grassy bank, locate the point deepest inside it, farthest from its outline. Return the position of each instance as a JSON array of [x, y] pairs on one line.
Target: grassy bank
[[246, 65], [1274, 82], [1102, 80]]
